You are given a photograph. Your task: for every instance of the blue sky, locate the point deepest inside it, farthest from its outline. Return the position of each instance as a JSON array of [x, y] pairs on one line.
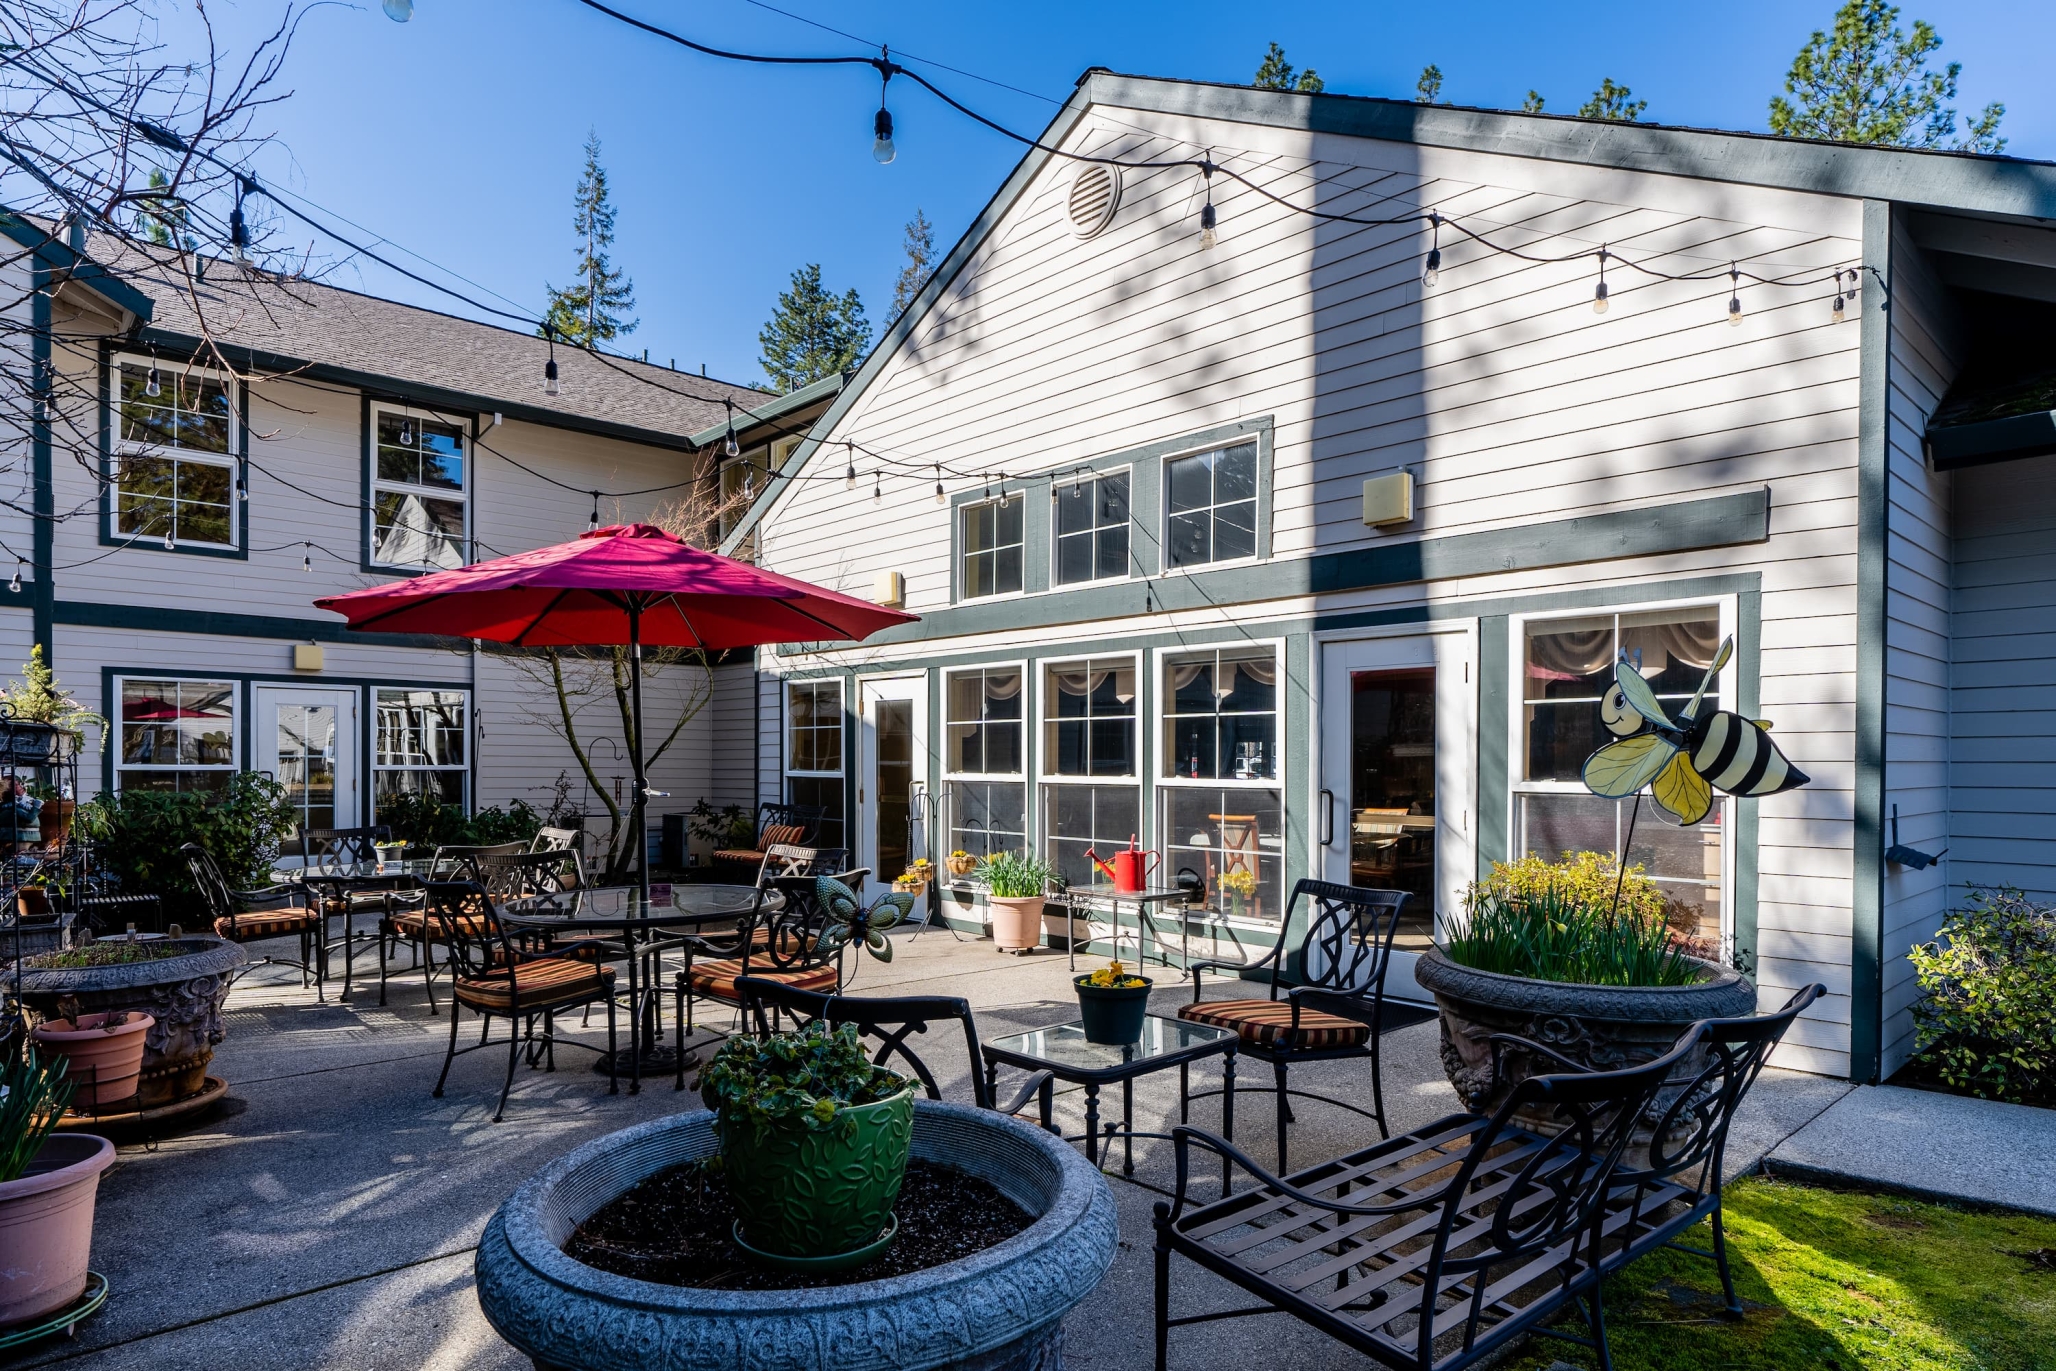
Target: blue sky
[[457, 135]]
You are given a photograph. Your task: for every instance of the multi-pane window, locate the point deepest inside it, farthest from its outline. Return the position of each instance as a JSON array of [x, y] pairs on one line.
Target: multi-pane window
[[417, 492], [983, 760], [421, 747], [1089, 736], [176, 735], [1221, 810], [1566, 669], [174, 454], [1210, 506], [990, 547], [1091, 528], [813, 753]]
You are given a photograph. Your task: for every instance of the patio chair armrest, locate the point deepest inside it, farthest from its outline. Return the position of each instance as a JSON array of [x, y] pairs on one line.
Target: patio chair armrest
[[595, 950], [1327, 998], [1502, 1041], [1030, 1088], [1260, 962], [276, 895], [1184, 1137]]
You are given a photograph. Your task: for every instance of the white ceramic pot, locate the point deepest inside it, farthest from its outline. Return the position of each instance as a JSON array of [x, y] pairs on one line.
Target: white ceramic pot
[[1016, 921]]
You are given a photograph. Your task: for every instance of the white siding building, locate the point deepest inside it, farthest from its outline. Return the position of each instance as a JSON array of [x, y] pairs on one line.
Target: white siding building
[[1152, 602]]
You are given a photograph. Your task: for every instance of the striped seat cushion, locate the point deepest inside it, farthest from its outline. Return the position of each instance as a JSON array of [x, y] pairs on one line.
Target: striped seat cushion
[[738, 854], [1265, 1022], [419, 923], [716, 980], [775, 835], [268, 923], [544, 981]]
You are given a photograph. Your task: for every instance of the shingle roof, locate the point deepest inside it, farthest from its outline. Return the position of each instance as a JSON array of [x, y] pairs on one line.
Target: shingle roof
[[359, 339]]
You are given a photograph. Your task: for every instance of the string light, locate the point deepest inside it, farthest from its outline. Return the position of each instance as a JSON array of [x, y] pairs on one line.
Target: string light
[[1431, 270], [550, 367], [15, 584], [1735, 299], [941, 498], [151, 387], [877, 486], [592, 521], [242, 490], [1208, 220], [169, 544], [1837, 312], [307, 558], [1599, 291], [882, 149], [849, 477], [731, 448], [238, 229], [1005, 498]]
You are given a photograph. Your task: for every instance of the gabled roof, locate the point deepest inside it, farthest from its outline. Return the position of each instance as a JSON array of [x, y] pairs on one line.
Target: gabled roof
[[348, 338], [1973, 183], [66, 261]]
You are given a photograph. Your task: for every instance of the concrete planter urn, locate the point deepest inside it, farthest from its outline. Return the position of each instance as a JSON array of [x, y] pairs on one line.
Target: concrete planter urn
[[1001, 1309], [1600, 1026], [182, 994]]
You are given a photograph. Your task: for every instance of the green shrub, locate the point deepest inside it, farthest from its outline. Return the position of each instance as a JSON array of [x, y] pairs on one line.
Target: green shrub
[[421, 820], [136, 836], [1986, 1019], [730, 826], [1556, 921], [803, 1078]]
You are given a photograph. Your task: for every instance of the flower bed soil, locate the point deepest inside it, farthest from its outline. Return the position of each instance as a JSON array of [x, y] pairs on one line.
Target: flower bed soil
[[673, 1229], [112, 952]]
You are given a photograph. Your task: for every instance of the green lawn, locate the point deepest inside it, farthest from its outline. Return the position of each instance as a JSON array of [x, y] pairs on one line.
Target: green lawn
[[1837, 1282]]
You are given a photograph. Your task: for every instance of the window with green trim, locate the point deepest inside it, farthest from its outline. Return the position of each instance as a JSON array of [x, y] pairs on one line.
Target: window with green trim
[[174, 443]]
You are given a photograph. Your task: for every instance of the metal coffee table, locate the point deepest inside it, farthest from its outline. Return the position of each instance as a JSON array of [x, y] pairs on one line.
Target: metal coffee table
[[1063, 1051]]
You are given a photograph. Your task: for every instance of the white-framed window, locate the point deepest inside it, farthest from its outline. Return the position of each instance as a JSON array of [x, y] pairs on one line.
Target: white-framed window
[[422, 746], [1220, 795], [420, 509], [1564, 666], [173, 428], [1091, 522], [984, 758], [1089, 773], [813, 752], [175, 735], [989, 538], [1210, 507]]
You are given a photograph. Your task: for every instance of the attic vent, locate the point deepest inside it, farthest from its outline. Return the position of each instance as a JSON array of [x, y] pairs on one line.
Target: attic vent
[[1095, 195]]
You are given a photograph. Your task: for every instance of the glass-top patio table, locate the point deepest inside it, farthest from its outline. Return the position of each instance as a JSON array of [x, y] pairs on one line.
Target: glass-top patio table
[[643, 934], [332, 884], [1063, 1051]]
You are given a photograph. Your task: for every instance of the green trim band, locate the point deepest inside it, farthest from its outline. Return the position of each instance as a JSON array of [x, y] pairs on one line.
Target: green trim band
[[222, 624], [1873, 420]]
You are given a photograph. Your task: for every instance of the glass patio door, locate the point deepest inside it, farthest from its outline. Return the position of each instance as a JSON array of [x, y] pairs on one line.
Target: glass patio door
[[307, 740], [892, 751], [1396, 808]]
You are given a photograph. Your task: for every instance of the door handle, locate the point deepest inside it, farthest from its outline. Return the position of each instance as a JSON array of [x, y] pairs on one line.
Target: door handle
[[1327, 818]]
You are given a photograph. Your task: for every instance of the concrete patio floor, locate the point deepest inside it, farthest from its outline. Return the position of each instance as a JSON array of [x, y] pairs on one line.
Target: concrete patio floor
[[326, 1216]]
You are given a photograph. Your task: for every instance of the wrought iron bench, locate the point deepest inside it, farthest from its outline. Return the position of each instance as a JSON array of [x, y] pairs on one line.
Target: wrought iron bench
[[1436, 1249]]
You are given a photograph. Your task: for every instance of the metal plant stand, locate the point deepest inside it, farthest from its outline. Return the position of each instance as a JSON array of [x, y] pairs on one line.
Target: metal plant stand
[[65, 1320]]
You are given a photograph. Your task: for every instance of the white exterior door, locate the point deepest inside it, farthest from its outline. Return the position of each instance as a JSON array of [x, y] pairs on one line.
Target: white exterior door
[[892, 774], [307, 739], [1397, 803]]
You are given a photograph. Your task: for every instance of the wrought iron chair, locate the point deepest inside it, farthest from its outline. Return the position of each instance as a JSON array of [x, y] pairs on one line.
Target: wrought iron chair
[[318, 847], [1436, 1249], [1333, 1014], [491, 976], [890, 1019], [408, 921], [777, 825], [558, 840], [273, 911]]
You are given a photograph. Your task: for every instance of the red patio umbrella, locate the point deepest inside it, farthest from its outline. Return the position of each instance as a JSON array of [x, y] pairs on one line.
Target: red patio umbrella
[[631, 585]]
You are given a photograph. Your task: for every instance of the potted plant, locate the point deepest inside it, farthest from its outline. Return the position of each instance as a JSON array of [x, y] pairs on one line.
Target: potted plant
[[1240, 886], [1579, 956], [103, 1052], [48, 1183], [814, 1142], [961, 863], [1014, 883], [1112, 1003]]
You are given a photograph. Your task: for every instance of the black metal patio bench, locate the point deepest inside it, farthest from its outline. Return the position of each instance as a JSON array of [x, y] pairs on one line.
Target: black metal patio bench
[[1436, 1249]]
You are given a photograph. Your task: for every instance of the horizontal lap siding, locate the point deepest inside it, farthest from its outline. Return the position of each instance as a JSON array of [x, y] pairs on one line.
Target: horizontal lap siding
[[732, 722], [1508, 399]]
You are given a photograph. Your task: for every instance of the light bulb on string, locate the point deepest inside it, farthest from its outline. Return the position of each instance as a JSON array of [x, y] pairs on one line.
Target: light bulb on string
[[1735, 295], [242, 490], [1209, 221], [1006, 497], [170, 544], [1839, 310], [749, 484], [730, 448], [15, 584], [592, 520], [877, 486], [941, 496], [1077, 481], [406, 433], [151, 387], [1431, 270], [550, 367], [849, 476], [882, 148], [1599, 291], [307, 558], [988, 487]]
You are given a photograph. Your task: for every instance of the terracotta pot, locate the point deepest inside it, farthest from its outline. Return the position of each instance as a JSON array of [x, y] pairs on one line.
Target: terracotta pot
[[46, 1226], [55, 820], [106, 1063], [1016, 920]]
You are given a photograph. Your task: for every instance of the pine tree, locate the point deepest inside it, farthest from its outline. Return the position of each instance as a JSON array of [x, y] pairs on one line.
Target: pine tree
[[1533, 104], [920, 249], [1612, 102], [1868, 82], [590, 312], [1275, 73], [1428, 89], [812, 333], [162, 218]]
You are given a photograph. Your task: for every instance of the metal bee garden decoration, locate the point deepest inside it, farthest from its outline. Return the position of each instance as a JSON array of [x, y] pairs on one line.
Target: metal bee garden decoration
[[1683, 760]]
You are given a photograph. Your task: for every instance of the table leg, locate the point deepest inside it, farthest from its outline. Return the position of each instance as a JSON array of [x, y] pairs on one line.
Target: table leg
[[1128, 1128], [634, 1018], [347, 959], [1227, 1107], [1184, 1092], [1092, 1124]]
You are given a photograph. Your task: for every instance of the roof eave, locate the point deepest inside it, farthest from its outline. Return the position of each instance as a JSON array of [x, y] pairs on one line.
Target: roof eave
[[777, 408], [59, 257]]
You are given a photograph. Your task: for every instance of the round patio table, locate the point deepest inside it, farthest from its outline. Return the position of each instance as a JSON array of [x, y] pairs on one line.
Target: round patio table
[[338, 881], [617, 911]]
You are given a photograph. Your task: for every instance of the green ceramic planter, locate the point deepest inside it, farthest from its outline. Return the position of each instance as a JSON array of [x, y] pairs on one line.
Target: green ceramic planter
[[804, 1193], [1112, 1014]]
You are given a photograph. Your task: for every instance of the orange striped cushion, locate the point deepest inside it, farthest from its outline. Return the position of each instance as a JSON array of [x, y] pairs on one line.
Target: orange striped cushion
[[775, 834], [417, 923], [271, 923], [738, 854], [1266, 1022], [717, 979], [547, 980]]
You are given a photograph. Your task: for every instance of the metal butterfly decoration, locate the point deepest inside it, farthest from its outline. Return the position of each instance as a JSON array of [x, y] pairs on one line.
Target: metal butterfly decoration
[[848, 919], [1682, 761]]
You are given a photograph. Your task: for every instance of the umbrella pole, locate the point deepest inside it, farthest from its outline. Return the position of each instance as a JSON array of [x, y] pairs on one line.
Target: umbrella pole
[[638, 818]]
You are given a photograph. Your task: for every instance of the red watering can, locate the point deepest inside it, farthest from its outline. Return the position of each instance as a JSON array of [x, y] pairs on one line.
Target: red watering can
[[1131, 868]]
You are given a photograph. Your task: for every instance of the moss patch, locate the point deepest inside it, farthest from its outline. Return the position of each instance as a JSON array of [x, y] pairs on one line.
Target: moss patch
[[1836, 1281]]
